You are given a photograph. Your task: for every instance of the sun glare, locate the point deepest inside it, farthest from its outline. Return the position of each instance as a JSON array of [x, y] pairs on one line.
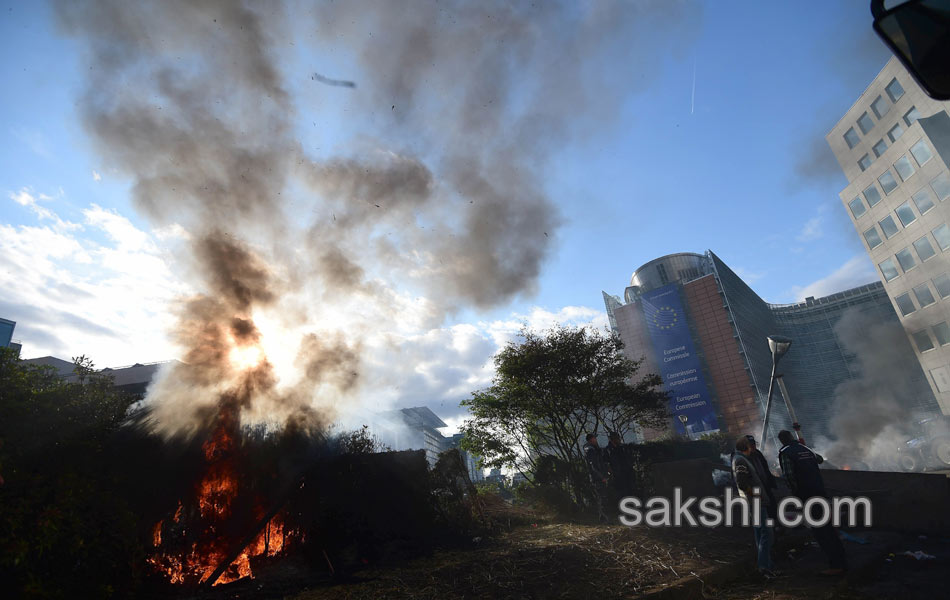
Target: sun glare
[[246, 358]]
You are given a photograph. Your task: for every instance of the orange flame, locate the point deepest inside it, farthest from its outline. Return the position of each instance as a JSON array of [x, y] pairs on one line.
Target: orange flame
[[215, 494]]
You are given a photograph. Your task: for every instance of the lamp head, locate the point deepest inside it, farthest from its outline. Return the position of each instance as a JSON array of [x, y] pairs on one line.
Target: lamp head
[[779, 346]]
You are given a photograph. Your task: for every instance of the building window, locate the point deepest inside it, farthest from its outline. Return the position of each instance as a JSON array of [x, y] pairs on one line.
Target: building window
[[888, 226], [922, 200], [941, 186], [924, 296], [923, 341], [924, 248], [895, 132], [904, 167], [851, 138], [857, 207], [894, 90], [661, 269], [942, 235], [889, 269], [879, 148], [906, 259], [942, 333], [880, 106], [905, 304], [942, 283], [864, 162], [941, 376], [887, 181], [911, 116], [921, 152], [872, 195], [865, 123], [906, 214], [873, 238]]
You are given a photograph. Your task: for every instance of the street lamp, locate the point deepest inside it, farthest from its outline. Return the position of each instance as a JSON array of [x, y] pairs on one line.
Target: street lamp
[[779, 346]]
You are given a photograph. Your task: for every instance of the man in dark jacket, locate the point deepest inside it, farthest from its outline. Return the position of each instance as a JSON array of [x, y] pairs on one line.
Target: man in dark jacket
[[750, 485], [769, 485], [599, 473], [800, 469]]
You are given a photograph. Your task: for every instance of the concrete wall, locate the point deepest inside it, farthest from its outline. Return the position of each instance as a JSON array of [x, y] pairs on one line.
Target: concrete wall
[[916, 502], [908, 502]]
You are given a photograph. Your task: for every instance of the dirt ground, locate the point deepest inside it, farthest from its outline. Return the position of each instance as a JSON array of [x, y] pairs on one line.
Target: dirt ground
[[551, 561], [879, 570], [566, 560]]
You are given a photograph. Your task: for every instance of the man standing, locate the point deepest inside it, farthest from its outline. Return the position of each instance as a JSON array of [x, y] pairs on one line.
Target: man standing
[[598, 471], [800, 469], [750, 486], [765, 476]]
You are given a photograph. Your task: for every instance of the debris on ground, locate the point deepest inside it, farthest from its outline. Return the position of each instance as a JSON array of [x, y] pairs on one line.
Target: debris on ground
[[918, 555]]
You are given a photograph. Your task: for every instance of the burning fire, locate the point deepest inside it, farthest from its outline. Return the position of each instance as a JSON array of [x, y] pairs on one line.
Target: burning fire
[[197, 560]]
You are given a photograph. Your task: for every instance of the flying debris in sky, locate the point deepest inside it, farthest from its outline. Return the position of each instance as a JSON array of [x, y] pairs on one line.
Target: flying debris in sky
[[336, 82]]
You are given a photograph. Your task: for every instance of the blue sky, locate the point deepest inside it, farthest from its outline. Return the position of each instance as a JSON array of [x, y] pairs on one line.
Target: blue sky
[[717, 144]]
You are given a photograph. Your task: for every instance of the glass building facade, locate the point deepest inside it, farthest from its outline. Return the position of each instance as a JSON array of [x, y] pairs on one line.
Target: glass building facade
[[730, 325], [6, 332]]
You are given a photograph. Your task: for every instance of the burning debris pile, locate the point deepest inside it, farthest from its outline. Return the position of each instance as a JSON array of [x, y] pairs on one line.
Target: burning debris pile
[[194, 545]]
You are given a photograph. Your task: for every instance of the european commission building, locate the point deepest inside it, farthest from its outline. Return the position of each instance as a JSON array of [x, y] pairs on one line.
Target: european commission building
[[691, 319]]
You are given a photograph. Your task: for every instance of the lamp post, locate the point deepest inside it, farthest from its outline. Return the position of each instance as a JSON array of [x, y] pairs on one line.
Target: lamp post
[[779, 346]]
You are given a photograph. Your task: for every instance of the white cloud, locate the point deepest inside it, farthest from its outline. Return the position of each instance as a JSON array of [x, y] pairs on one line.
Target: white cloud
[[748, 276], [70, 295], [28, 198], [856, 271], [540, 319], [128, 237], [96, 176], [812, 230]]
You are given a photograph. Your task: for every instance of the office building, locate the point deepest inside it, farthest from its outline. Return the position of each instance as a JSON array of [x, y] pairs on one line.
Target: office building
[[6, 335], [692, 320], [417, 428], [893, 145]]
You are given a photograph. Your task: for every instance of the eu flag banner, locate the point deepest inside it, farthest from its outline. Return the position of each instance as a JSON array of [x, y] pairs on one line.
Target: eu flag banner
[[690, 402]]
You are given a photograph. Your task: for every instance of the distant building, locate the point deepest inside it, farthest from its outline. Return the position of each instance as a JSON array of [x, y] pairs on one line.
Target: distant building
[[6, 335], [417, 428], [133, 379], [63, 368], [893, 145], [495, 476], [471, 463], [704, 330]]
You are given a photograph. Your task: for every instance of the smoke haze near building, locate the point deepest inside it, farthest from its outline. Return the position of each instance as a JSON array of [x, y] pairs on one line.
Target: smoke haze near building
[[874, 413]]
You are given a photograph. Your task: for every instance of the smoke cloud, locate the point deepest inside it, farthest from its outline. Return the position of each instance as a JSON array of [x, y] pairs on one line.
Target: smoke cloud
[[876, 412], [306, 266]]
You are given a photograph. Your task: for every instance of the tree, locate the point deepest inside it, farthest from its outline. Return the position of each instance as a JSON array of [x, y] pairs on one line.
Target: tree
[[66, 528], [551, 389]]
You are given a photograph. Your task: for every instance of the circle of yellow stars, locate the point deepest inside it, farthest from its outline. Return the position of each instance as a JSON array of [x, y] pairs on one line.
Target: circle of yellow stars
[[666, 323]]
